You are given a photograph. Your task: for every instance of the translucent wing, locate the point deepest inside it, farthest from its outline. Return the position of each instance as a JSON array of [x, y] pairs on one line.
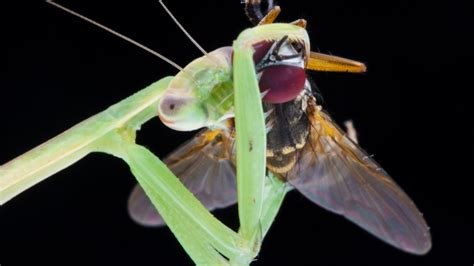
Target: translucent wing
[[205, 166], [335, 173]]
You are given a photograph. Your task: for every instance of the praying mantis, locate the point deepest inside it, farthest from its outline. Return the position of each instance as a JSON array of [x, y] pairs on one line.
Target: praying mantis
[[183, 103]]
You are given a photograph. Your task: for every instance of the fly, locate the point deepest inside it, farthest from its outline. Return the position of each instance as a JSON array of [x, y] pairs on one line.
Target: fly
[[305, 147]]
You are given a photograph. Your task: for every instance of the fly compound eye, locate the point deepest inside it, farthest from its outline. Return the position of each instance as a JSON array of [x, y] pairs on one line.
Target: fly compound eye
[[280, 66], [261, 50], [282, 83]]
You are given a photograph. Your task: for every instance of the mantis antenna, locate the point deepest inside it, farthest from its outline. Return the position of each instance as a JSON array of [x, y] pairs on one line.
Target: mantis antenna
[[182, 28], [162, 57]]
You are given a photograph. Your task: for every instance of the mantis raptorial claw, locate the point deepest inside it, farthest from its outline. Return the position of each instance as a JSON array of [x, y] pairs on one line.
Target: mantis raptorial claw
[[268, 113], [268, 128]]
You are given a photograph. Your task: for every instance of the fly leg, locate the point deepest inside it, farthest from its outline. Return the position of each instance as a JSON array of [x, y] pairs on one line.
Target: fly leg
[[253, 9], [256, 14], [351, 131], [271, 16], [300, 23]]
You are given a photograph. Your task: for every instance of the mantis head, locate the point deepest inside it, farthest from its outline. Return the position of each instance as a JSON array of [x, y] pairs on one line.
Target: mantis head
[[201, 94], [191, 100]]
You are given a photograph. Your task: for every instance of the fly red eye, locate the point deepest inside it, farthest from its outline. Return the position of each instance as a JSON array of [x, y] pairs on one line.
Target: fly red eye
[[283, 83], [261, 49]]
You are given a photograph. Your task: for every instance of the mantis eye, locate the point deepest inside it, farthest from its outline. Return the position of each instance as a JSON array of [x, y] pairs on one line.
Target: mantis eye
[[182, 113], [281, 69], [171, 105]]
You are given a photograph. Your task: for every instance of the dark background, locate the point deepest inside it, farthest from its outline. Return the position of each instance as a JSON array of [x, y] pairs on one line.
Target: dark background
[[409, 109]]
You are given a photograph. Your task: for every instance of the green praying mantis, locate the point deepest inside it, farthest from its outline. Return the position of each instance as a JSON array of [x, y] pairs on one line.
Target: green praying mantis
[[265, 134]]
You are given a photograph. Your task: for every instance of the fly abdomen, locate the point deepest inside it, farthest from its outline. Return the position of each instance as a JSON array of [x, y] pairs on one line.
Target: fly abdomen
[[290, 128]]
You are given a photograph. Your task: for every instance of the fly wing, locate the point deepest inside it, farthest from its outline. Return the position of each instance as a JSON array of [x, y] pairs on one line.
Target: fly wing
[[205, 166], [338, 175]]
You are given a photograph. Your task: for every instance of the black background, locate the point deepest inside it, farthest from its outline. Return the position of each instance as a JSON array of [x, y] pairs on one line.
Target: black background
[[409, 109]]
